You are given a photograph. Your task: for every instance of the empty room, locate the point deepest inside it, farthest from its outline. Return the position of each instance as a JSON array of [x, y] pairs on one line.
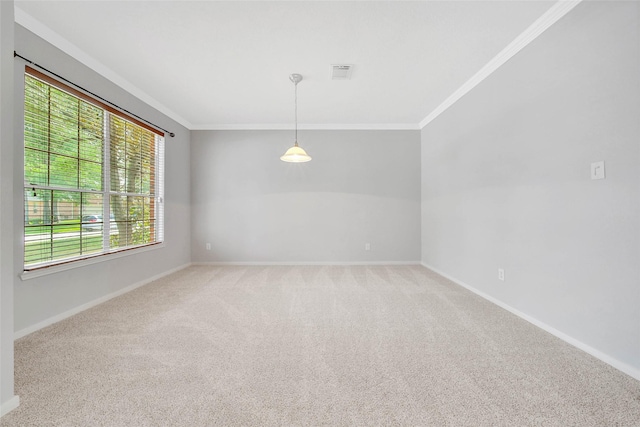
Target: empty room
[[292, 213]]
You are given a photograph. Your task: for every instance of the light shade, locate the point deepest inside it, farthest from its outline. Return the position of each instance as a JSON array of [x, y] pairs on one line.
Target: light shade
[[295, 154]]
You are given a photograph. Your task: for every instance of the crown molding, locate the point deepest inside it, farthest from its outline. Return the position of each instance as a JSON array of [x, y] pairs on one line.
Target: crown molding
[[555, 12], [46, 33], [550, 17], [328, 126]]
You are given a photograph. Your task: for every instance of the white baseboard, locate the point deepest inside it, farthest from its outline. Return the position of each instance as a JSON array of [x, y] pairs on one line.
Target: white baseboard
[[50, 321], [621, 366], [303, 263], [9, 405]]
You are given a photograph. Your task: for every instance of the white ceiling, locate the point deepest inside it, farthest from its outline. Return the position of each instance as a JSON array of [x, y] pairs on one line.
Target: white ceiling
[[216, 65]]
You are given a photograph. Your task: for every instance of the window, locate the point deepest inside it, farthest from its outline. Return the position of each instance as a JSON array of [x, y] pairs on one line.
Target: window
[[93, 176]]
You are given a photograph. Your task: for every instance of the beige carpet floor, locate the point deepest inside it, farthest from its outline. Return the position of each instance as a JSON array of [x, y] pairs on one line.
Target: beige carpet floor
[[310, 345]]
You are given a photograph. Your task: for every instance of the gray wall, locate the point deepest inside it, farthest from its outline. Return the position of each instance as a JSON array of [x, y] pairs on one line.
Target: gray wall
[[6, 194], [39, 299], [506, 181], [361, 187]]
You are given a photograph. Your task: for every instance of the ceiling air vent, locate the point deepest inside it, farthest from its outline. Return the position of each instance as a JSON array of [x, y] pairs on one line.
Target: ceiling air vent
[[341, 71]]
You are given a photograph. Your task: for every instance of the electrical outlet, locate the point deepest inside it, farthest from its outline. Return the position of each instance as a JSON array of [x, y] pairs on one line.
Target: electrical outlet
[[367, 246], [597, 170], [501, 274], [208, 246]]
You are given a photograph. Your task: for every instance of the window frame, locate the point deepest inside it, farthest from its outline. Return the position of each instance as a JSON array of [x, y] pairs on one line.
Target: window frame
[[157, 193]]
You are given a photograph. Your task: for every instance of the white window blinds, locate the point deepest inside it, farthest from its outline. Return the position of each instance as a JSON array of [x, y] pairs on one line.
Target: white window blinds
[[93, 176]]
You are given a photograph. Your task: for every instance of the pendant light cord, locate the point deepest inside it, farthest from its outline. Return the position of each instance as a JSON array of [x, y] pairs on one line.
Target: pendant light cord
[[296, 113]]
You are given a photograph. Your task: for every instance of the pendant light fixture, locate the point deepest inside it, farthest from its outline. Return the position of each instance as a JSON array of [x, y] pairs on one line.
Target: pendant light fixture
[[296, 154]]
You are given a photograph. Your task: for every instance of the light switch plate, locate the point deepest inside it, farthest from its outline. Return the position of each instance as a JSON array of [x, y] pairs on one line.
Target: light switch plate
[[597, 170]]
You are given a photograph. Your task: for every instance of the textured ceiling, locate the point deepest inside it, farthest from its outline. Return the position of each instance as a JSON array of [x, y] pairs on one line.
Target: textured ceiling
[[212, 64]]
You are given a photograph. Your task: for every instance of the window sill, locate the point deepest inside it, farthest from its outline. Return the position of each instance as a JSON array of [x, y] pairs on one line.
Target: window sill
[[44, 271]]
